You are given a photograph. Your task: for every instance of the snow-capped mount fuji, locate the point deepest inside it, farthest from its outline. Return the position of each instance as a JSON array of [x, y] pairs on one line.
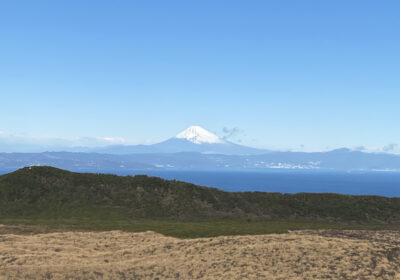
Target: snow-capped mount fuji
[[198, 135], [192, 139]]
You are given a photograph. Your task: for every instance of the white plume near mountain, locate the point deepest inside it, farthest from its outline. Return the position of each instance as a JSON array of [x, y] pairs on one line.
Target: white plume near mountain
[[199, 135]]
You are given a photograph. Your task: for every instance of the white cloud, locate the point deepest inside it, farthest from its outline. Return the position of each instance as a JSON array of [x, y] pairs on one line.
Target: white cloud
[[51, 142], [390, 147], [115, 140]]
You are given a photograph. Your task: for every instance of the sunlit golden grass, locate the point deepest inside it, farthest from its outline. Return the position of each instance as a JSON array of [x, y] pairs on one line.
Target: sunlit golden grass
[[124, 255]]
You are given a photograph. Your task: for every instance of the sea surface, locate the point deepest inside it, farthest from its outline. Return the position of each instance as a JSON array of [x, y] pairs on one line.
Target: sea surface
[[284, 181]]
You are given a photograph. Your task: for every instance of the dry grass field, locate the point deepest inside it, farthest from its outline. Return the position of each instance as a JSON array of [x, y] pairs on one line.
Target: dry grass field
[[325, 254]]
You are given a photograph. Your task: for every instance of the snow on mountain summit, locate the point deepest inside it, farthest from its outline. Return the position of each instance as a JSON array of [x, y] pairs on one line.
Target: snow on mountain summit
[[199, 135]]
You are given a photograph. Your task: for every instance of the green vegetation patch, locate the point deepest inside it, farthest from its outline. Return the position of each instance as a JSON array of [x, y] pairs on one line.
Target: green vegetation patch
[[58, 198]]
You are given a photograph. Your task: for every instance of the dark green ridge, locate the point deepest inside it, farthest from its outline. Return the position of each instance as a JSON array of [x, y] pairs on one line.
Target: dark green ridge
[[49, 195]]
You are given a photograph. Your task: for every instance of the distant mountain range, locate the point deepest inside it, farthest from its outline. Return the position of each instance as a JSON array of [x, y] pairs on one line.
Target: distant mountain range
[[193, 139], [343, 159], [197, 148]]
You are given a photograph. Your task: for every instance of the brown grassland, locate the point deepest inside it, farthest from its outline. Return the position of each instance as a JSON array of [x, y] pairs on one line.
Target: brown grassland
[[304, 254]]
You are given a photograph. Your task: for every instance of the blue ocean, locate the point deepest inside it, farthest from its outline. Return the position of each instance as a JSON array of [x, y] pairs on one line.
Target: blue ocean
[[357, 183], [370, 183]]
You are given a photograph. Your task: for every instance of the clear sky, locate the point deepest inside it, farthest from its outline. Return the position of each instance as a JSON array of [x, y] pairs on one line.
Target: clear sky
[[301, 75]]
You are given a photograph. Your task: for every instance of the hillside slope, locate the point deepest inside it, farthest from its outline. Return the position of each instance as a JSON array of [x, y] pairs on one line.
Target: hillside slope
[[51, 192]]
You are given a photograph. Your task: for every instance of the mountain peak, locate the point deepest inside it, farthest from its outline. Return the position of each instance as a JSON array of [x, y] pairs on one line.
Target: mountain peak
[[199, 135]]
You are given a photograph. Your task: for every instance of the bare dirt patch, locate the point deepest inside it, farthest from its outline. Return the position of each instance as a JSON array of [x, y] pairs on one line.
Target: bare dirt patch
[[148, 255]]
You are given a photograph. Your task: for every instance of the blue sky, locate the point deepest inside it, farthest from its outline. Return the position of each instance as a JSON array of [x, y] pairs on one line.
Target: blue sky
[[301, 75]]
